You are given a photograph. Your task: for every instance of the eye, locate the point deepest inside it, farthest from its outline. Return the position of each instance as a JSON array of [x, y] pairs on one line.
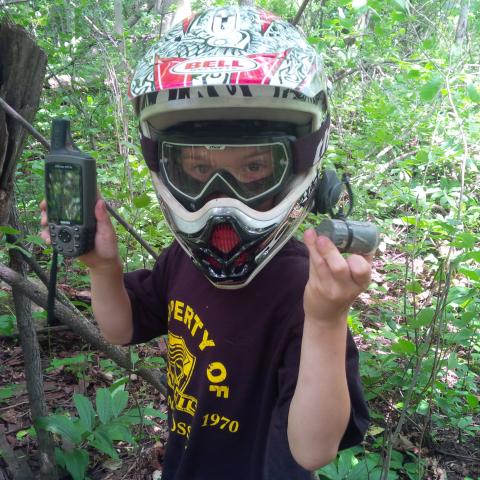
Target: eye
[[202, 168], [254, 166]]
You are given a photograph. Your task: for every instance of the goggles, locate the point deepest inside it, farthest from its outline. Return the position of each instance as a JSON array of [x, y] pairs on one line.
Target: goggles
[[249, 169]]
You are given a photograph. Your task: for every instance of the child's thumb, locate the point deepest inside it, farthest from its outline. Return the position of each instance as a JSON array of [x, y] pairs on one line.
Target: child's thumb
[[101, 213]]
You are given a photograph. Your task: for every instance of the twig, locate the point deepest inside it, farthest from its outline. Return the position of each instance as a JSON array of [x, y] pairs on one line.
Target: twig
[[8, 407], [475, 460], [300, 12], [23, 122], [131, 231], [110, 209]]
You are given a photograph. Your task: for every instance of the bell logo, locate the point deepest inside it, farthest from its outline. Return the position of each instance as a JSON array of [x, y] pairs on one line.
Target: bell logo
[[214, 65]]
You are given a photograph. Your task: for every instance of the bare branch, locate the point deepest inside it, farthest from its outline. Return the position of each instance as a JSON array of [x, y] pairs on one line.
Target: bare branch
[[132, 20], [23, 122], [300, 12]]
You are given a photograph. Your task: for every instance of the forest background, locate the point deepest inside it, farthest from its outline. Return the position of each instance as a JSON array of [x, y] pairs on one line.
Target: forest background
[[405, 91]]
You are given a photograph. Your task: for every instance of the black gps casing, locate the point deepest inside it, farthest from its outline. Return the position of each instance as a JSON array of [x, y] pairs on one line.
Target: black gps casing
[[71, 191]]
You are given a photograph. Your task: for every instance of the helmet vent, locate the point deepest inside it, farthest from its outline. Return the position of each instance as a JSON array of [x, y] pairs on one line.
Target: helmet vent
[[224, 238]]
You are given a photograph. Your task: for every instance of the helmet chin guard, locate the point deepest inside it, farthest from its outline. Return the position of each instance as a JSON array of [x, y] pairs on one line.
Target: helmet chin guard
[[225, 250], [233, 65]]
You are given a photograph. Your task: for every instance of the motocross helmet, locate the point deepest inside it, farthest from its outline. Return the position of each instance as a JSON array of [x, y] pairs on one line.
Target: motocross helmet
[[234, 121]]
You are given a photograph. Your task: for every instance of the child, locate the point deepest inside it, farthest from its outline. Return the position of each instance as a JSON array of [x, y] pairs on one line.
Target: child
[[262, 376]]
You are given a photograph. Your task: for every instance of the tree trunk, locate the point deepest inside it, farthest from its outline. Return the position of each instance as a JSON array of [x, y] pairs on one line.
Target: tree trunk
[[32, 362], [22, 69], [462, 25]]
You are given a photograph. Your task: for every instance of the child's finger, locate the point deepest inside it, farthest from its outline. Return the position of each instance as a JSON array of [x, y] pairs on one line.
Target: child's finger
[[45, 236], [43, 218], [334, 259], [317, 263], [105, 231], [43, 205], [101, 213], [360, 270]]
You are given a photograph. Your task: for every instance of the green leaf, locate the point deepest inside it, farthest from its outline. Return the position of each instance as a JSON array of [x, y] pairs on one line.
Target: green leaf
[[469, 256], [421, 157], [9, 391], [423, 318], [414, 287], [429, 91], [464, 240], [7, 325], [141, 201], [345, 462], [404, 346], [119, 403], [102, 443], [117, 431], [422, 408], [330, 472], [85, 411], [59, 457], [104, 405], [12, 246], [472, 401], [452, 361], [473, 93], [7, 229], [60, 425], [76, 462]]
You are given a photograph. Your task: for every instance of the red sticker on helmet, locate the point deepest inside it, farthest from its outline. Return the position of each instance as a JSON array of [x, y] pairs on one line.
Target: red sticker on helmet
[[214, 65]]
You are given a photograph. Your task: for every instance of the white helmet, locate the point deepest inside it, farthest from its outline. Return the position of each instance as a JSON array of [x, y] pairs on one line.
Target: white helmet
[[225, 84]]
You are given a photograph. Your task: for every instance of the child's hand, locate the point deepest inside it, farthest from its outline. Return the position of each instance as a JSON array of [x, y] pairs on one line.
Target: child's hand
[[334, 281], [105, 253]]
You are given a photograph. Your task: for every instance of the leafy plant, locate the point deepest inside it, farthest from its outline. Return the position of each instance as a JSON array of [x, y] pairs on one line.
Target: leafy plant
[[77, 365], [96, 427], [9, 391]]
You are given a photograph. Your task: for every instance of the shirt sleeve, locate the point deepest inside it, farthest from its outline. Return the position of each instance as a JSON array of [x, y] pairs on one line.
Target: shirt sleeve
[[147, 292]]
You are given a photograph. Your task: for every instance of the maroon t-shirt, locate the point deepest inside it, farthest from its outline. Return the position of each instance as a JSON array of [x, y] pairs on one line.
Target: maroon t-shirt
[[233, 360]]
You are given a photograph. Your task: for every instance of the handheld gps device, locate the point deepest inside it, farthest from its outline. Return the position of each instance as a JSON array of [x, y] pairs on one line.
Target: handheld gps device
[[71, 190]]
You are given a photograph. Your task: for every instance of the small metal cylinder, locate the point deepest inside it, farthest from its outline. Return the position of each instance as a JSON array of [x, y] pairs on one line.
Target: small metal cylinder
[[350, 236]]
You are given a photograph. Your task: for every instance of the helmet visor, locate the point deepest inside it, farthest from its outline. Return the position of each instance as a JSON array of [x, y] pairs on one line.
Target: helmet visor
[[250, 171]]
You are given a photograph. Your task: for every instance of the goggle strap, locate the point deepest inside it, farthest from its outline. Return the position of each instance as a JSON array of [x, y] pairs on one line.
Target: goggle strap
[[309, 149], [150, 152]]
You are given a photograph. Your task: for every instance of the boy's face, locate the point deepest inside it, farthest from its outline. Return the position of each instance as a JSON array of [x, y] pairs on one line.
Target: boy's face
[[252, 166], [247, 164]]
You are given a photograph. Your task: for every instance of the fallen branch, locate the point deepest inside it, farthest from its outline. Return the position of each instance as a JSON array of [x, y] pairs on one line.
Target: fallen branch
[[81, 325]]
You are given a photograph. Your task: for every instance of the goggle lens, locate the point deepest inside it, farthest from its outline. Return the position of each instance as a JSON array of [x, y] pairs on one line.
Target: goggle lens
[[247, 172]]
